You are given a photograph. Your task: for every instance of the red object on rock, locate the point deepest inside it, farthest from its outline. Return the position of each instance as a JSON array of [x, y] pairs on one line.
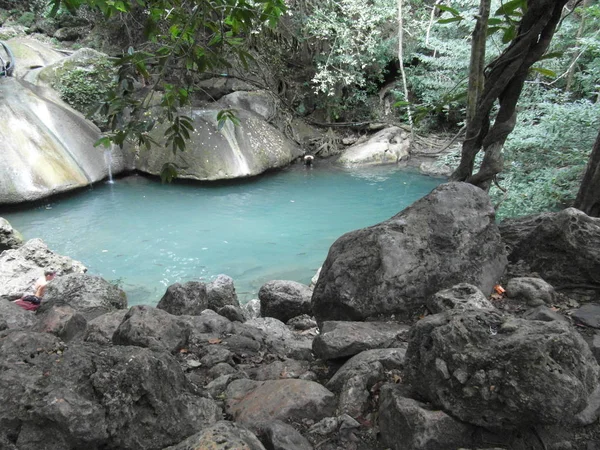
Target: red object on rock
[[26, 305]]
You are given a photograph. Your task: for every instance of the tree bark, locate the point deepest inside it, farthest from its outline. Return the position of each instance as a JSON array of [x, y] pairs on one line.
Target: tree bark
[[588, 197], [401, 62], [477, 64], [504, 81]]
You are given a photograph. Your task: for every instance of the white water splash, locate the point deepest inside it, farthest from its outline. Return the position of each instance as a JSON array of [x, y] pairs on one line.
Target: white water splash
[[108, 161]]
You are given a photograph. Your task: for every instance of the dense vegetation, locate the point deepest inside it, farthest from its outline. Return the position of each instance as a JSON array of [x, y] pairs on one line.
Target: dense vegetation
[[337, 61]]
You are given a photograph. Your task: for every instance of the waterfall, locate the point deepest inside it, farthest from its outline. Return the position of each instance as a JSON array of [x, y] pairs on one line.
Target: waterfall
[[108, 161]]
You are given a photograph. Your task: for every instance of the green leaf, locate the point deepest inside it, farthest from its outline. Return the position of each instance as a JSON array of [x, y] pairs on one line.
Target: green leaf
[[104, 141], [450, 20], [452, 11], [545, 72], [510, 8], [551, 55], [509, 34]]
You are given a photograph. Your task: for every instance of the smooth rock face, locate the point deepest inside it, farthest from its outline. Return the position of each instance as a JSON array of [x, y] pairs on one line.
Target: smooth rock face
[[21, 267], [343, 339], [223, 435], [86, 396], [462, 296], [247, 149], [498, 371], [563, 248], [284, 299], [257, 402], [90, 295], [9, 237], [588, 315], [258, 102], [407, 424], [386, 147], [391, 268], [62, 321], [48, 147]]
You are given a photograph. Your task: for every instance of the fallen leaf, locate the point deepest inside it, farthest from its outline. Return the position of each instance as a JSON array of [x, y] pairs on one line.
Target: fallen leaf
[[214, 341], [499, 289], [183, 350]]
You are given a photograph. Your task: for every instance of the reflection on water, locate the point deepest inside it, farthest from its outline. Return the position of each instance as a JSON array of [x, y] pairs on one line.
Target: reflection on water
[[146, 236]]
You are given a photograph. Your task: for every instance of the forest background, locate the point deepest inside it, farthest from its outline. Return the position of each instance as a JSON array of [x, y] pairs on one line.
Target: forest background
[[341, 64]]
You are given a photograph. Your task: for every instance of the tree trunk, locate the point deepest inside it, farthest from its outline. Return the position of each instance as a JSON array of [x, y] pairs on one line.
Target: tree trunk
[[588, 197], [504, 82], [477, 64], [401, 62]]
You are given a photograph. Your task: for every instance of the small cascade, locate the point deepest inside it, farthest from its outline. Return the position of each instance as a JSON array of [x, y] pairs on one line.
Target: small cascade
[[228, 131], [108, 161]]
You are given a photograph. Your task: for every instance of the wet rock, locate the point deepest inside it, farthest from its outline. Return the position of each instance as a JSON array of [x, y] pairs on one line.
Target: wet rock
[[91, 296], [252, 309], [62, 321], [365, 363], [534, 291], [390, 269], [281, 436], [498, 371], [257, 402], [9, 237], [588, 315], [284, 300], [462, 296], [145, 326], [14, 316], [343, 339], [89, 396], [101, 329], [223, 435], [563, 248], [406, 423], [221, 292], [21, 267]]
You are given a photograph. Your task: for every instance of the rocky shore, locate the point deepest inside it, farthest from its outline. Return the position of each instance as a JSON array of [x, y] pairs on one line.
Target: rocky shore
[[407, 341]]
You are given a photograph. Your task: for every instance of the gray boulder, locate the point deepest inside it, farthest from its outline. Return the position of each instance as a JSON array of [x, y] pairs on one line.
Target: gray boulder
[[90, 295], [194, 297], [15, 317], [563, 248], [223, 435], [145, 326], [391, 268], [364, 363], [251, 309], [230, 151], [253, 403], [588, 315], [62, 321], [281, 436], [406, 423], [87, 396], [261, 103], [343, 339], [101, 329], [284, 299], [9, 237], [281, 340], [498, 371], [461, 297], [531, 290], [21, 267]]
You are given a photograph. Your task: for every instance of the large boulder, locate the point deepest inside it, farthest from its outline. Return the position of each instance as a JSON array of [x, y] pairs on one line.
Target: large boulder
[[284, 299], [9, 237], [48, 147], [90, 295], [563, 248], [498, 371], [391, 268], [31, 55], [259, 102], [223, 435], [223, 152], [389, 146], [193, 297], [86, 396], [21, 267], [13, 316]]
